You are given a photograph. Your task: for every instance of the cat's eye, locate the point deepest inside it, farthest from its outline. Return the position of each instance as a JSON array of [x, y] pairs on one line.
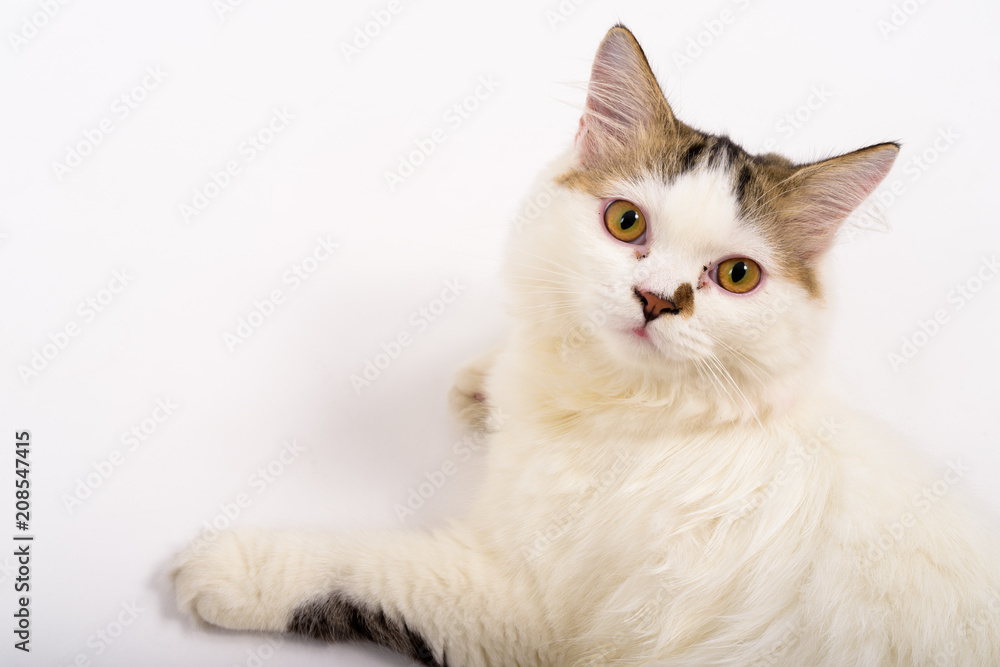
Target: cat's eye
[[739, 275], [625, 221]]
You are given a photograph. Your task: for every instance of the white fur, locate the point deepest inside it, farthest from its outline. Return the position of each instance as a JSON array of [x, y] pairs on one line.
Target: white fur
[[645, 506], [691, 498]]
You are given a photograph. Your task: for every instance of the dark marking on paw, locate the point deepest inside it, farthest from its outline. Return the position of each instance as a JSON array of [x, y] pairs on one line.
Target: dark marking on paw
[[338, 619]]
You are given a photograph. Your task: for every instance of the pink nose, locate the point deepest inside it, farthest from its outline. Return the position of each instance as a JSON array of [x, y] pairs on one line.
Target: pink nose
[[654, 305]]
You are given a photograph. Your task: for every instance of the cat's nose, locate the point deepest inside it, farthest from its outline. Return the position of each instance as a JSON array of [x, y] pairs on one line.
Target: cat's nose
[[654, 305]]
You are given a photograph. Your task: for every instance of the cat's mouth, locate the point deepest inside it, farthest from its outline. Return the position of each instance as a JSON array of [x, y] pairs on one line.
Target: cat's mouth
[[641, 332]]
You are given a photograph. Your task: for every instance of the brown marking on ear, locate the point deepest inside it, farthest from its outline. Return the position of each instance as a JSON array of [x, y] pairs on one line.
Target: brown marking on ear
[[756, 182], [659, 152], [683, 300], [743, 179], [723, 152], [627, 126], [690, 157], [628, 129], [771, 159], [800, 207], [803, 274]]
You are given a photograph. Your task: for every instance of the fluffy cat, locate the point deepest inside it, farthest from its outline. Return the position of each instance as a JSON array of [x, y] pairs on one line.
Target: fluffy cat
[[668, 480]]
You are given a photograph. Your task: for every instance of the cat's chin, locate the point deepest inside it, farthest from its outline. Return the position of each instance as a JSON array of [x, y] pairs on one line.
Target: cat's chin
[[644, 349]]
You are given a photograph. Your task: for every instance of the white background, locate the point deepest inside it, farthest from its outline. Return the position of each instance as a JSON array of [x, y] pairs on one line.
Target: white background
[[162, 336]]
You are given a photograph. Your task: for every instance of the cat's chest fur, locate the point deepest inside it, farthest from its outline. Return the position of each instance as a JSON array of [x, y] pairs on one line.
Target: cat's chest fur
[[577, 474], [667, 481], [637, 518]]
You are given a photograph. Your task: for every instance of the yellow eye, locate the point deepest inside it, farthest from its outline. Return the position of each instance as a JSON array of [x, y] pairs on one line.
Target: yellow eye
[[625, 221], [738, 275]]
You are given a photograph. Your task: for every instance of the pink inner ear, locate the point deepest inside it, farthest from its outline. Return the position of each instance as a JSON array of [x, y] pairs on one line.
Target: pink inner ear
[[579, 133], [829, 191], [623, 97]]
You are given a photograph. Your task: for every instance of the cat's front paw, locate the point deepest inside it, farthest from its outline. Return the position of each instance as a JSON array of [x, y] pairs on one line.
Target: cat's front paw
[[219, 579]]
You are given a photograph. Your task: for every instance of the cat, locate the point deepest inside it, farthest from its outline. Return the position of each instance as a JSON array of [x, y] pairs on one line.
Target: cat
[[669, 480]]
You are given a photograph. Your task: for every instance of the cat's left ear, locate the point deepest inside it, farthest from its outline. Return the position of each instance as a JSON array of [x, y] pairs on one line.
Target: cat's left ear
[[816, 198], [624, 101]]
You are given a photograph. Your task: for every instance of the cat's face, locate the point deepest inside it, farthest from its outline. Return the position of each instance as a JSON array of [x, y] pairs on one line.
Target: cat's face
[[675, 254], [694, 283]]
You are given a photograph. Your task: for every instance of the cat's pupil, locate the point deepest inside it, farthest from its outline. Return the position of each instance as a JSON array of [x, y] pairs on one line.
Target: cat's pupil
[[738, 272], [628, 219]]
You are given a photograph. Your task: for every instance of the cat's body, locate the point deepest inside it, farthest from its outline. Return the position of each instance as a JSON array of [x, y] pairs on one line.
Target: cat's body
[[669, 482]]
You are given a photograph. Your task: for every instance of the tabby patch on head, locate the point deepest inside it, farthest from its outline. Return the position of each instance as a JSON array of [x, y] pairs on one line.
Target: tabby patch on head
[[629, 132]]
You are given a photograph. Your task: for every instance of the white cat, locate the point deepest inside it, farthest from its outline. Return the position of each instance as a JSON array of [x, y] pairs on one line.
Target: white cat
[[668, 481]]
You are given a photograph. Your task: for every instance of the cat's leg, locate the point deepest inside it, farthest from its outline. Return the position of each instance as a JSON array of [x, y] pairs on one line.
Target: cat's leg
[[468, 397], [426, 595]]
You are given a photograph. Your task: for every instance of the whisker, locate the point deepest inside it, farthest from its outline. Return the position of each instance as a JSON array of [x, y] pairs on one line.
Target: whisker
[[722, 368], [746, 361], [552, 261]]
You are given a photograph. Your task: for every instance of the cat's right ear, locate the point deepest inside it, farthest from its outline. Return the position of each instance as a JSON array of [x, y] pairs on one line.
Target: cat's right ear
[[624, 101]]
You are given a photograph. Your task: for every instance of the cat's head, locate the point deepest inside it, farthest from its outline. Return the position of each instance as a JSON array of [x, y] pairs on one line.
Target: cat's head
[[670, 255]]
